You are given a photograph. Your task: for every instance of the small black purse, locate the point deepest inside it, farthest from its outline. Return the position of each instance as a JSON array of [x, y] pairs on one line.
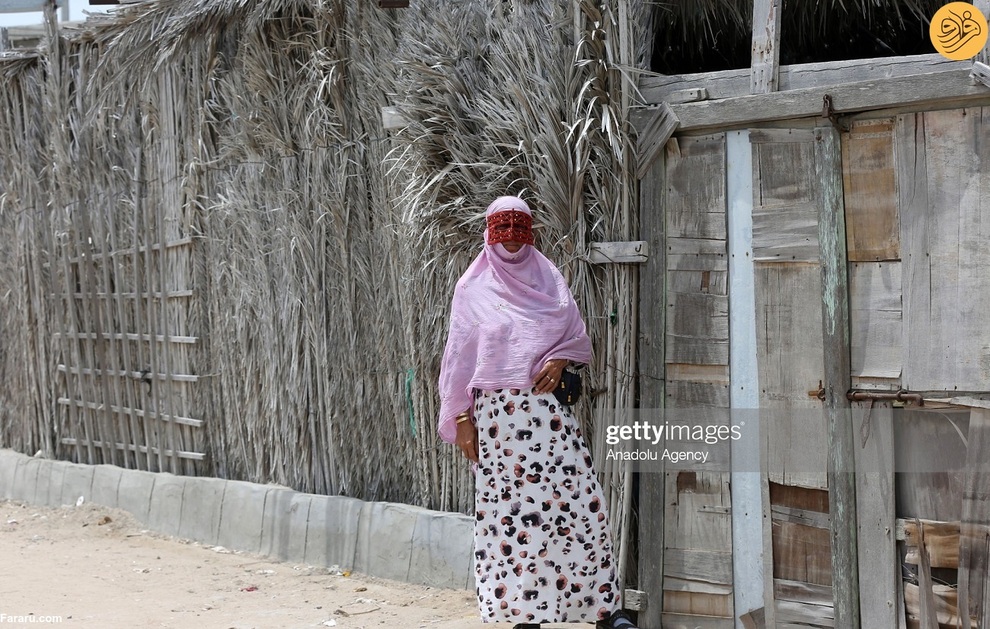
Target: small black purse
[[569, 388]]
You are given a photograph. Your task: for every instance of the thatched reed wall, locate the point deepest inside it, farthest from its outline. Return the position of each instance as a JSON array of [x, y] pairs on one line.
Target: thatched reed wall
[[227, 266]]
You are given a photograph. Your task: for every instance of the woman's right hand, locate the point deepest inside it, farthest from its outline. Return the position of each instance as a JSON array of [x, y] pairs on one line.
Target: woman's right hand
[[467, 439]]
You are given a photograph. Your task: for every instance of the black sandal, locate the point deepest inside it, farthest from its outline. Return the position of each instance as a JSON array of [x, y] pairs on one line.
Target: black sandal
[[525, 625], [618, 620]]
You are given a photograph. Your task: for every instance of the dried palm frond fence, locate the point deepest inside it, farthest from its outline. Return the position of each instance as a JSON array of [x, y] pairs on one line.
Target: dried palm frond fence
[[219, 262]]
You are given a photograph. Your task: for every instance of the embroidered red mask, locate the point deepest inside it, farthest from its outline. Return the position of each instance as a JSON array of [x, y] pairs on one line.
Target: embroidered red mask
[[510, 225]]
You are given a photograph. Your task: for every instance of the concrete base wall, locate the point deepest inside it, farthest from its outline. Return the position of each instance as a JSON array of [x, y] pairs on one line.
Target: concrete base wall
[[381, 539]]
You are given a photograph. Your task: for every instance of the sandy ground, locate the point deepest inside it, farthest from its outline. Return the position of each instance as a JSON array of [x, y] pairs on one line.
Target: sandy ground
[[96, 567]]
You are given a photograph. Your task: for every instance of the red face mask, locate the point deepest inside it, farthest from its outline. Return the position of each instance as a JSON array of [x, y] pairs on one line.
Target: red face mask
[[510, 225]]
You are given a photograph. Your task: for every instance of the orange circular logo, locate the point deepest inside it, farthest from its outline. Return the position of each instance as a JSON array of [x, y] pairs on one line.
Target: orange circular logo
[[958, 31]]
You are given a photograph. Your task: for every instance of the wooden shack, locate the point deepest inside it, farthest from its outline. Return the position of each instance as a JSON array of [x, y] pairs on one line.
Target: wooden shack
[[818, 243]]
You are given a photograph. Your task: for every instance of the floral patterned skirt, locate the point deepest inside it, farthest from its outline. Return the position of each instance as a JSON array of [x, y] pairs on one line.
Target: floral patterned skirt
[[543, 546]]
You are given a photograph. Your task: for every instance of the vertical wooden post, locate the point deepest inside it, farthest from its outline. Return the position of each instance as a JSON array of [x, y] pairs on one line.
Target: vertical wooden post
[[4, 40], [749, 584], [974, 531], [765, 63], [652, 326], [837, 380]]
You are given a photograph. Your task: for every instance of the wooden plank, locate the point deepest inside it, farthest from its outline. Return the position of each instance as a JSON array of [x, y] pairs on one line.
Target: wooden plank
[[803, 615], [800, 498], [158, 338], [946, 604], [869, 184], [634, 252], [693, 621], [876, 520], [136, 412], [671, 584], [919, 91], [708, 374], [765, 52], [875, 325], [157, 247], [974, 530], [945, 214], [800, 516], [698, 604], [927, 609], [692, 281], [801, 592], [731, 83], [835, 339], [654, 127], [691, 95], [708, 566], [684, 394], [941, 542], [182, 454], [650, 356], [137, 375], [634, 600]]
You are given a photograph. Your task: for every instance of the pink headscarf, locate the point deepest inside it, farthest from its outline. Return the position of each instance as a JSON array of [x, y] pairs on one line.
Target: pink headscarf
[[510, 314]]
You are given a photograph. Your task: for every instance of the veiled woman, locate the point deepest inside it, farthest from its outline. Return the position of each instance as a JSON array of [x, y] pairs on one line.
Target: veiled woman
[[543, 545]]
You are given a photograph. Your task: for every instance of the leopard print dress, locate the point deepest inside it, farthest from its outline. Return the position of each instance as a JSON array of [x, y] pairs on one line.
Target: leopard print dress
[[543, 547]]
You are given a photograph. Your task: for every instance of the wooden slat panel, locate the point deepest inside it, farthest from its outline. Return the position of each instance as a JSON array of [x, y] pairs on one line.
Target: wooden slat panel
[[785, 217], [801, 553], [697, 328], [870, 190], [945, 225], [789, 357], [696, 188], [876, 332], [700, 520]]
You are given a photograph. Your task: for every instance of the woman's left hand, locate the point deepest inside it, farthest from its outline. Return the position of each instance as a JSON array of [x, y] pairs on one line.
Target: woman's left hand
[[548, 377]]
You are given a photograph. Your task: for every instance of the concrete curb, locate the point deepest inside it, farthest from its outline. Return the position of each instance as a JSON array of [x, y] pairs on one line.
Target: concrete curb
[[389, 540]]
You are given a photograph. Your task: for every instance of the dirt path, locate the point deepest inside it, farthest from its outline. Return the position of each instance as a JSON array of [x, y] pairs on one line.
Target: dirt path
[[96, 567]]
